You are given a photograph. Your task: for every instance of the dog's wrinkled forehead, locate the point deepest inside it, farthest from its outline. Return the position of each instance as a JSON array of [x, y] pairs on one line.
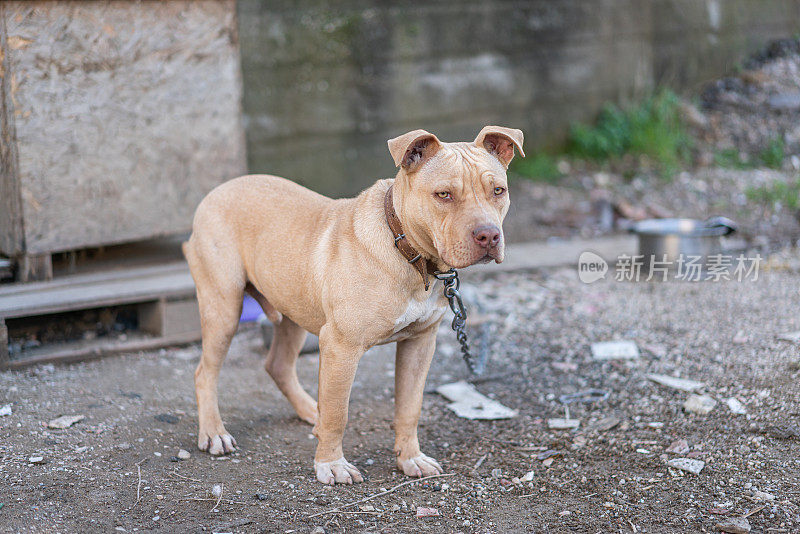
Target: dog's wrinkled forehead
[[462, 160], [419, 149]]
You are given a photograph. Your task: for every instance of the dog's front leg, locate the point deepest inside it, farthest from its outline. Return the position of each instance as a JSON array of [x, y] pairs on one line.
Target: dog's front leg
[[411, 368], [338, 361]]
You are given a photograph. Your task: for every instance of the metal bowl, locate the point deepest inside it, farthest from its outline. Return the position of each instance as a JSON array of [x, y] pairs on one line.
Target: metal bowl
[[672, 238]]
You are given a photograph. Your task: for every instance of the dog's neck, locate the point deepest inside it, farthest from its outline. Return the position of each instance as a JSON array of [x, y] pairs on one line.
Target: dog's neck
[[405, 241]]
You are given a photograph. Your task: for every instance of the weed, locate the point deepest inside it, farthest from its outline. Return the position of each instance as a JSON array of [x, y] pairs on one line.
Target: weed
[[773, 155], [786, 194], [652, 128]]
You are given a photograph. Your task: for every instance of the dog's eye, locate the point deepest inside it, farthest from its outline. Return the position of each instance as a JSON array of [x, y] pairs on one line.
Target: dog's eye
[[499, 190], [443, 195]]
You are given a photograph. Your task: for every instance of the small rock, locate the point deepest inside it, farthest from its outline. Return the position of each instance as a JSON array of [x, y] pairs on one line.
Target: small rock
[[497, 473], [735, 406], [615, 350], [700, 404], [124, 446], [740, 338], [528, 477], [607, 423], [559, 423], [784, 101], [184, 454], [318, 530], [167, 418], [548, 462], [680, 446], [734, 525], [564, 513], [216, 490], [516, 481], [5, 410], [550, 453], [687, 464], [65, 421], [80, 450], [763, 496], [683, 384], [261, 496], [367, 508], [37, 460], [427, 512]]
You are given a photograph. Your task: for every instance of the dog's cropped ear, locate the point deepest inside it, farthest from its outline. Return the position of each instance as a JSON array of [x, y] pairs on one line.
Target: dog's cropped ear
[[501, 142], [412, 148]]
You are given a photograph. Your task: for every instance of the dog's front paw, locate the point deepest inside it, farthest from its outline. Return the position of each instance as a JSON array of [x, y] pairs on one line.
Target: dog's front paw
[[337, 472], [419, 466], [217, 444]]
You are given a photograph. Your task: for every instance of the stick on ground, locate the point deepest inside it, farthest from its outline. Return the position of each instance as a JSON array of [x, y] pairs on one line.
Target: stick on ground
[[381, 494]]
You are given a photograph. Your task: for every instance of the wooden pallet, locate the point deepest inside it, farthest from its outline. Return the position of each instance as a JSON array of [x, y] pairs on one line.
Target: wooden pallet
[[164, 296]]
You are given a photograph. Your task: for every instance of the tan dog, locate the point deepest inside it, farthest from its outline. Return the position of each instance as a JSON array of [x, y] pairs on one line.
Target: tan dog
[[331, 267]]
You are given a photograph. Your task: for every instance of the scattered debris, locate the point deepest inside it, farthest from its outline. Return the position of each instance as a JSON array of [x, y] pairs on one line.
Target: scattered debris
[[690, 465], [5, 410], [735, 406], [184, 454], [65, 421], [700, 404], [606, 423], [763, 496], [585, 397], [783, 431], [680, 446], [740, 338], [566, 367], [683, 384], [468, 403], [559, 423], [734, 525], [615, 350], [423, 511], [167, 418], [793, 337]]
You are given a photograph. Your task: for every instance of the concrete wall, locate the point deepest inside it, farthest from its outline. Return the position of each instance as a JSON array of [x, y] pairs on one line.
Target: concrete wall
[[117, 117], [325, 85]]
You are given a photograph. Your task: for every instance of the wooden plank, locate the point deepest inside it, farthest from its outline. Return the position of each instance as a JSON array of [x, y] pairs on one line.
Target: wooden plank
[[170, 317], [97, 290], [3, 343], [32, 267], [97, 349], [11, 231]]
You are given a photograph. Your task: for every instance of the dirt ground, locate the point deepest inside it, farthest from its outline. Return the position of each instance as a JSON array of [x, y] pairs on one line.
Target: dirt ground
[[140, 411]]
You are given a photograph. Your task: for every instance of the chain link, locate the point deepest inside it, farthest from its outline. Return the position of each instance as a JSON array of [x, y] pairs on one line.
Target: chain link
[[451, 287]]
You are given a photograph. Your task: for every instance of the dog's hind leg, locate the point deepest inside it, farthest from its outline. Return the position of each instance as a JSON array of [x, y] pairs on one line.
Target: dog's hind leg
[[281, 363], [220, 282]]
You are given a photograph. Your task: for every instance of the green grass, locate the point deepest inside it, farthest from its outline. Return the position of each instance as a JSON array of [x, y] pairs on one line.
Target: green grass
[[652, 129], [785, 193], [773, 155], [539, 167]]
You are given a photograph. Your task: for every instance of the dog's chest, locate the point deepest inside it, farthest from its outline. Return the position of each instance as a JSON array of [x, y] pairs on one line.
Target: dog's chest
[[422, 312]]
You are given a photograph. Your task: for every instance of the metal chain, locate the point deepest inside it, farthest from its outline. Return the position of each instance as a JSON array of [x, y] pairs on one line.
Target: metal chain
[[451, 287]]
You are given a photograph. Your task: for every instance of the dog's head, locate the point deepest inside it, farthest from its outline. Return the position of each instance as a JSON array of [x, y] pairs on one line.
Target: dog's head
[[454, 196]]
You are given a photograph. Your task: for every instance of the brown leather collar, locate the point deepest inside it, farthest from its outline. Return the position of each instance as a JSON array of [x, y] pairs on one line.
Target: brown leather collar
[[423, 265]]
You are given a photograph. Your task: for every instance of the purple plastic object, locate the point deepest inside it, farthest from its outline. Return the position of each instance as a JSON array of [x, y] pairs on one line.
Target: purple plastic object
[[250, 310]]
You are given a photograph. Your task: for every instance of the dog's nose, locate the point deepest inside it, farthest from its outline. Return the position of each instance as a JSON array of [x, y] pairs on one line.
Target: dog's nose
[[486, 236]]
